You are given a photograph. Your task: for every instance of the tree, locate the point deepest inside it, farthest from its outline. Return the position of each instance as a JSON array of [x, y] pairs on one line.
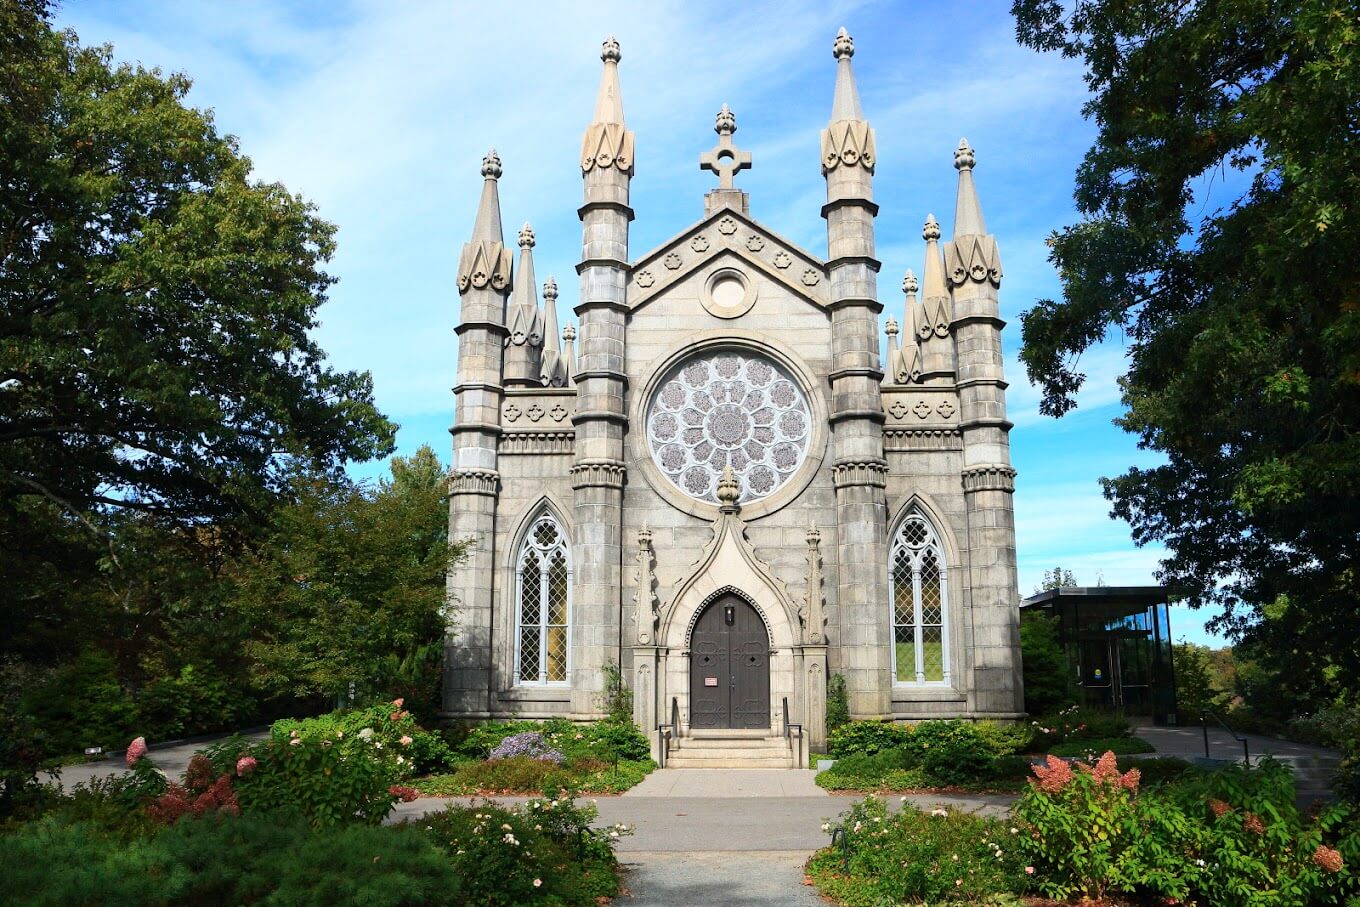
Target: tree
[[349, 586], [1057, 578], [1242, 318], [1049, 681], [155, 302]]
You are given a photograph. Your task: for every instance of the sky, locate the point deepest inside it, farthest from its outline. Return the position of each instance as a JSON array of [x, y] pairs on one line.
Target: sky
[[379, 113]]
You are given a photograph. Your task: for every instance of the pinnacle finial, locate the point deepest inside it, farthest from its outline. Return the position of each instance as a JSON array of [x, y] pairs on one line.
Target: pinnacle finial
[[814, 535], [931, 231], [569, 333], [609, 50], [726, 121], [491, 165], [729, 489], [526, 236], [550, 289], [909, 283], [891, 327], [964, 159], [844, 45]]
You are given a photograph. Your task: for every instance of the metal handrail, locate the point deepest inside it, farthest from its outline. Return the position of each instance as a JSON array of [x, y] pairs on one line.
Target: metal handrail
[[666, 732], [789, 730], [1204, 725]]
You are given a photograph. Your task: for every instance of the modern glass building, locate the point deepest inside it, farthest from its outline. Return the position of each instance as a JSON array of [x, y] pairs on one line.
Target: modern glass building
[[1118, 645]]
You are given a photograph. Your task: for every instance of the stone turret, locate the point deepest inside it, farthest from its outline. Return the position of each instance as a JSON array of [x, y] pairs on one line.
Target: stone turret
[[598, 471], [973, 271], [524, 322], [906, 367], [484, 276], [937, 348], [857, 462]]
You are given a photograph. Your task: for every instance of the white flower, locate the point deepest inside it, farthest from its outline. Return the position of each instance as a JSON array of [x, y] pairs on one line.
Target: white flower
[[510, 839], [826, 826], [366, 734], [506, 828], [1015, 831], [939, 812], [538, 882], [613, 834]]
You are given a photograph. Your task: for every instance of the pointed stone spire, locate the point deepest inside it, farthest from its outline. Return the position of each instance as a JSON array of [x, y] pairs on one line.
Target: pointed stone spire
[[972, 255], [607, 142], [937, 350], [907, 368], [568, 355], [554, 370], [894, 352], [485, 260], [525, 323], [848, 140]]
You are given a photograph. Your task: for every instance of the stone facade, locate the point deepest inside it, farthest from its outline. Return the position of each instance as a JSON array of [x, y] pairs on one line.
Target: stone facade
[[728, 426]]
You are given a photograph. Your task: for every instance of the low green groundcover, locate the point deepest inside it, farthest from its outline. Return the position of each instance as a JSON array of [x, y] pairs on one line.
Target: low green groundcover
[[1120, 746], [521, 774], [958, 754]]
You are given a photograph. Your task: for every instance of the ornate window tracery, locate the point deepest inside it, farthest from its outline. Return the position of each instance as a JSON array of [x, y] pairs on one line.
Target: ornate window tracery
[[919, 596], [542, 605], [728, 408]]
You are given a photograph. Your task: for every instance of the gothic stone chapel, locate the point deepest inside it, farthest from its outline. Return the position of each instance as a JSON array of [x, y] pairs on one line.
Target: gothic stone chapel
[[725, 492]]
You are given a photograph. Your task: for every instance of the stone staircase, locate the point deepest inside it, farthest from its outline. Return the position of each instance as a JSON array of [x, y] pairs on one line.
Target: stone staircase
[[730, 749]]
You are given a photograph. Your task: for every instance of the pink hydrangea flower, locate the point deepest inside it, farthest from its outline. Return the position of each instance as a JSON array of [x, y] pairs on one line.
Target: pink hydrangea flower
[[245, 765], [399, 702], [1054, 777], [405, 740], [136, 750]]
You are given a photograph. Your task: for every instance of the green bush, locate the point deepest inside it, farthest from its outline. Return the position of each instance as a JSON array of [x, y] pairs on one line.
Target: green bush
[[1337, 727], [1049, 682], [522, 775], [837, 703], [544, 852], [1162, 770], [395, 735], [1120, 746], [220, 859], [944, 857], [866, 737], [949, 752], [194, 701], [1078, 723], [81, 704], [606, 739], [329, 782], [886, 770], [1006, 739]]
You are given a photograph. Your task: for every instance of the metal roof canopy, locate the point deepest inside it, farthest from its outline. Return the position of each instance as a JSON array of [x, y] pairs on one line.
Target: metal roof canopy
[[1121, 599]]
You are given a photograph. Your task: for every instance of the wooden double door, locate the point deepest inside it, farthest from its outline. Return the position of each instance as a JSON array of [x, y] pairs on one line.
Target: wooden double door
[[729, 667]]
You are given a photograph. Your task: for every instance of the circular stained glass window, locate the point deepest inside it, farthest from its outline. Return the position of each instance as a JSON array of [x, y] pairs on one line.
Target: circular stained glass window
[[728, 408]]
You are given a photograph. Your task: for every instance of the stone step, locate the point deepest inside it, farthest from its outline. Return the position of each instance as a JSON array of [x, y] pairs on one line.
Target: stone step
[[723, 748], [732, 752], [675, 760]]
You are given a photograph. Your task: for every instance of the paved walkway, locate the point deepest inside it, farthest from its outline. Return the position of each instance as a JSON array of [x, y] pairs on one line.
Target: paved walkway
[[172, 760], [1188, 743]]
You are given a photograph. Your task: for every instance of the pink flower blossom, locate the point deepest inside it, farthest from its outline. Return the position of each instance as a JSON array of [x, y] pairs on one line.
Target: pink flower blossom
[[136, 750], [1029, 870], [1106, 768], [245, 765], [538, 882], [399, 702], [1054, 777], [405, 794], [405, 740], [1328, 858]]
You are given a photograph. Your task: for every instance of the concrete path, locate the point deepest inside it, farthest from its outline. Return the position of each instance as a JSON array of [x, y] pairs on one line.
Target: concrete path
[[172, 759], [707, 879], [1188, 743], [728, 782]]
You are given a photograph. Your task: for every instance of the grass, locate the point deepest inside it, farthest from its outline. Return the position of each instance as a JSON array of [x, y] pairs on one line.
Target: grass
[[1120, 746], [529, 777]]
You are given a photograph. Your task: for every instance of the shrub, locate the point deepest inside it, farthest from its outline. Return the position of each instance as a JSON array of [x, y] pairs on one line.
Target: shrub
[[511, 776], [1337, 727], [329, 782], [529, 745], [1049, 684], [940, 857], [837, 703], [618, 699], [544, 852], [81, 704], [949, 752], [886, 770], [866, 737], [396, 736], [1079, 723], [1120, 746], [1162, 770], [1005, 739], [202, 791], [196, 700]]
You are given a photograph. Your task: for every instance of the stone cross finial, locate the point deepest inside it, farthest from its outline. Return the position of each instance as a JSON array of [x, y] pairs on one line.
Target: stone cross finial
[[526, 236], [550, 291], [909, 283], [964, 159], [726, 160], [491, 165], [729, 489], [931, 230], [609, 50], [844, 45], [891, 327]]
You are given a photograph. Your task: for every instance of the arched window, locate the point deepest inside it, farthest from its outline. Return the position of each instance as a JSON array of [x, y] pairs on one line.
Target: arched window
[[919, 604], [542, 616]]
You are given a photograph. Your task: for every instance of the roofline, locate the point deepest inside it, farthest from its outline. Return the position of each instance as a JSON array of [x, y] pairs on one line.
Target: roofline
[[1151, 595]]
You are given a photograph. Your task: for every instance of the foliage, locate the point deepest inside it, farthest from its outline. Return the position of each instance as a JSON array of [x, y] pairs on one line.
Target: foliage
[[349, 576], [949, 752], [1057, 578], [618, 698], [1079, 723], [1221, 214], [81, 704], [544, 852], [387, 727], [523, 775], [1337, 727], [203, 790], [931, 754], [1049, 683], [223, 859], [866, 737], [1195, 690], [529, 745], [596, 740], [1005, 739], [1090, 747], [837, 703], [938, 858], [330, 783], [197, 699]]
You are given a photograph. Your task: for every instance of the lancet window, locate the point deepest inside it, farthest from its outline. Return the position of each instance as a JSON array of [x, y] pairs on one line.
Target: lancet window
[[543, 605], [920, 604]]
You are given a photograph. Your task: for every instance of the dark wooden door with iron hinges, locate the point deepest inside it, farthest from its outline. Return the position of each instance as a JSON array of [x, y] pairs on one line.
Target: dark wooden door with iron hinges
[[729, 667]]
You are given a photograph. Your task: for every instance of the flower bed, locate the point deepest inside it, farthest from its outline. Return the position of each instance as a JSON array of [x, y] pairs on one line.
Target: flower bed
[[875, 756]]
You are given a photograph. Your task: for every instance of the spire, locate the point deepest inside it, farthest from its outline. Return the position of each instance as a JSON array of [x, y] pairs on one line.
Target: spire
[[485, 259], [607, 142], [894, 351], [846, 106], [906, 369], [569, 355], [967, 210], [847, 140], [936, 320], [554, 370], [525, 323]]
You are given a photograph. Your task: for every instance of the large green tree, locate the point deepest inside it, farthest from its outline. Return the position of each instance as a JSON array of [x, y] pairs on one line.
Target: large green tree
[[1241, 313], [155, 301]]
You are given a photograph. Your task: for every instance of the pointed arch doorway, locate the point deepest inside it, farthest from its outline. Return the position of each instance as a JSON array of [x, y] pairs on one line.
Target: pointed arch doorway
[[729, 667]]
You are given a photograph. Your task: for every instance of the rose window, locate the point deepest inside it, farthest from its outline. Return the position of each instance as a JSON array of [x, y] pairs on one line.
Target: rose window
[[728, 409]]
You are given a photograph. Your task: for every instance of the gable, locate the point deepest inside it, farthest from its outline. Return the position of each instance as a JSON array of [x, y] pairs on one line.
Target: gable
[[728, 233]]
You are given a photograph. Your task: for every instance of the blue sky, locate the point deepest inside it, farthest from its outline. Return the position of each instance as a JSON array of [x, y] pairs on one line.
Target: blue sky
[[380, 113]]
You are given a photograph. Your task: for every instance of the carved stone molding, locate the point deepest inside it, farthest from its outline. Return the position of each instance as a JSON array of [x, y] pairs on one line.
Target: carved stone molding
[[848, 143], [473, 481], [598, 475], [538, 442], [860, 472], [607, 145], [974, 258], [484, 263], [993, 477], [813, 611], [922, 439], [645, 599]]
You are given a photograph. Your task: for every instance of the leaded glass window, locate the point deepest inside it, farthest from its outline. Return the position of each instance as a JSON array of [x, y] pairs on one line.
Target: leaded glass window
[[543, 584], [728, 408], [919, 604]]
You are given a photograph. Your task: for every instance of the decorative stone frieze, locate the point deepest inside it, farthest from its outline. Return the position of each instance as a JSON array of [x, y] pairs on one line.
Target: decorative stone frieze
[[972, 258], [473, 481], [895, 439], [598, 475], [989, 478], [862, 472], [917, 406], [484, 263], [537, 442]]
